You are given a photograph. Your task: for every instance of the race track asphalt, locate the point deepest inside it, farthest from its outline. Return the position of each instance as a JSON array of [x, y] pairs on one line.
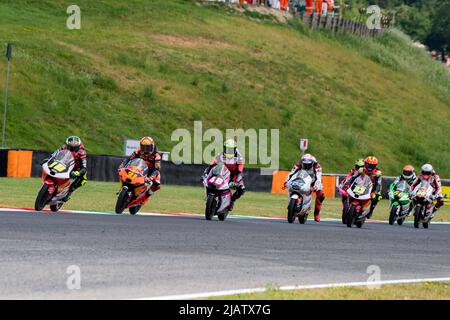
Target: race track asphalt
[[124, 257]]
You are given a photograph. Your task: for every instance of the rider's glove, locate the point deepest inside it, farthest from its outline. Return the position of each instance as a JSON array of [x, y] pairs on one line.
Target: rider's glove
[[203, 177], [74, 174], [148, 181]]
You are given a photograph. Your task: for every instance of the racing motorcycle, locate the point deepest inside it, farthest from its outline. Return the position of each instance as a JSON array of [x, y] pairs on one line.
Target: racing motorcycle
[[423, 201], [300, 196], [400, 203], [359, 200], [218, 192], [133, 189], [56, 181]]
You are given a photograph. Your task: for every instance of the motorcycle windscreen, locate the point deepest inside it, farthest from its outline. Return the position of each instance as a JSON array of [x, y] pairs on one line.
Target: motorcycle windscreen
[[138, 166], [61, 162], [402, 187], [362, 186]]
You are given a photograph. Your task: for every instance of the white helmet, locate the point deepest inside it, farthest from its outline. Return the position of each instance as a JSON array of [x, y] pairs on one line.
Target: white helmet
[[308, 161], [427, 169]]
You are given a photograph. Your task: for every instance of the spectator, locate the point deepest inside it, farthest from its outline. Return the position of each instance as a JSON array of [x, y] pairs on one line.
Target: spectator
[[309, 6], [300, 5], [325, 7], [319, 6]]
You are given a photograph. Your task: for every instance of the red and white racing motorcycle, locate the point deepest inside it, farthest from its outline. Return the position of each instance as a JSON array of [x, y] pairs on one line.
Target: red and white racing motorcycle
[[423, 201], [218, 192], [56, 181]]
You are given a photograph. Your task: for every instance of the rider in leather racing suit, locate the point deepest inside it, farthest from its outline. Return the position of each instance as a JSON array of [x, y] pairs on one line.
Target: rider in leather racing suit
[[310, 165], [234, 162]]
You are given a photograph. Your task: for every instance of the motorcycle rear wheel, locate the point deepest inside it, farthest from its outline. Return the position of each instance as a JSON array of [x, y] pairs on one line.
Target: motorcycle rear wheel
[[122, 200], [42, 198], [134, 210], [302, 219], [210, 207], [56, 207], [222, 216]]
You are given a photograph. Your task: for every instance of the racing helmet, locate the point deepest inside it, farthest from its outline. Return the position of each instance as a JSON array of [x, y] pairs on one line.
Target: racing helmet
[[307, 161], [359, 164], [230, 148], [370, 164], [408, 172], [147, 145], [73, 143], [427, 170]]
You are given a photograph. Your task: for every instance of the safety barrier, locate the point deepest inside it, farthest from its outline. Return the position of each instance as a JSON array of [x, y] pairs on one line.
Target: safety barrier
[[27, 163]]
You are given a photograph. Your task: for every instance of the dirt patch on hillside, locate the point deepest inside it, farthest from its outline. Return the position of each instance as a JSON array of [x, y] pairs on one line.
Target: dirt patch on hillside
[[189, 42]]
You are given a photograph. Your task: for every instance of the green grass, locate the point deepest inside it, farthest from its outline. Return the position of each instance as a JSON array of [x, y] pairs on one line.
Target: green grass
[[149, 67], [420, 291], [101, 196]]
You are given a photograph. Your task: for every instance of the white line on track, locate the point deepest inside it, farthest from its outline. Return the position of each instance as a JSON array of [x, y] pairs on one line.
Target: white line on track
[[180, 214], [284, 288]]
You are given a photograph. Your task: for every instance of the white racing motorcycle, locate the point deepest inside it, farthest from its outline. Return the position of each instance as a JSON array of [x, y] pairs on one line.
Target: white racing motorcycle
[[300, 196]]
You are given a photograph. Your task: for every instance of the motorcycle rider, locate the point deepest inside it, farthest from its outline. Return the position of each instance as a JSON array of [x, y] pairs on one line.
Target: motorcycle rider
[[79, 172], [428, 174], [309, 163], [234, 162], [358, 165], [371, 170], [149, 153], [408, 175]]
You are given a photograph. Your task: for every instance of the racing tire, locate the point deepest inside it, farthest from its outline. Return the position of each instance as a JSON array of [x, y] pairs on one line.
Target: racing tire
[[42, 198], [56, 207], [211, 207], [302, 219], [400, 221], [359, 224], [425, 225], [350, 216], [393, 215], [417, 212], [291, 210], [134, 210], [122, 200], [222, 216]]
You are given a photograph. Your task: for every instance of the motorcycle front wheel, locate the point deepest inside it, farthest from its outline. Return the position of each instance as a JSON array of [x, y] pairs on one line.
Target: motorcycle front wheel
[[211, 207], [350, 216], [393, 215], [417, 214], [122, 200], [42, 198], [291, 210]]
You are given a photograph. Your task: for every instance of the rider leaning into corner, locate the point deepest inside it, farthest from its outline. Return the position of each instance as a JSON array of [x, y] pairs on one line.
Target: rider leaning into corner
[[313, 168], [359, 164], [371, 170], [234, 162], [79, 172], [149, 153], [408, 175], [428, 174]]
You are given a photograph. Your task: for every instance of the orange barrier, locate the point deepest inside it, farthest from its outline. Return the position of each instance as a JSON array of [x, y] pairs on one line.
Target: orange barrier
[[19, 164], [279, 177]]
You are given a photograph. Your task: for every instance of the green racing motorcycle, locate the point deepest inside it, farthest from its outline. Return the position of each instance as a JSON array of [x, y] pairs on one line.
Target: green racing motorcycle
[[400, 199]]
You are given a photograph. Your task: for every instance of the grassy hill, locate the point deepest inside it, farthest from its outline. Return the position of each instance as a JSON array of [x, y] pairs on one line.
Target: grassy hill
[[141, 67]]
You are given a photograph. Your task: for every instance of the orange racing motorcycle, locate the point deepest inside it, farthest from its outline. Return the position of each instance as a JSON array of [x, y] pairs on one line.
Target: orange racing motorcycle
[[133, 188]]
